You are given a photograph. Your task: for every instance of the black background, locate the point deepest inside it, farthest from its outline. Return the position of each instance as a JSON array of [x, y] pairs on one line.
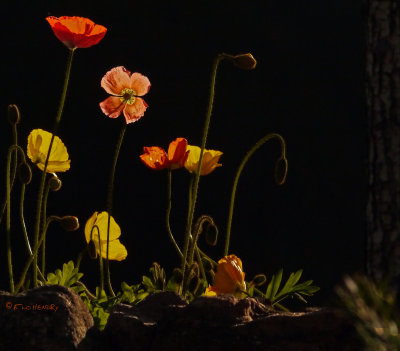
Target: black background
[[308, 86]]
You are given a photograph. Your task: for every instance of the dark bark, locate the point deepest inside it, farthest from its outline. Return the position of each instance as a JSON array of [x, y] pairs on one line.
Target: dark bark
[[383, 102]]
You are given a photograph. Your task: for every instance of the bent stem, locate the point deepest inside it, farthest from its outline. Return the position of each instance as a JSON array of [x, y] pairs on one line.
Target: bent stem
[[110, 203], [14, 169], [260, 143], [197, 175], [34, 254], [43, 178], [100, 256], [168, 213]]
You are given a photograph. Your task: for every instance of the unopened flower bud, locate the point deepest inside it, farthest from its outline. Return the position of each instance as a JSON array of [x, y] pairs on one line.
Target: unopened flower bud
[[24, 173], [211, 234], [281, 167], [14, 116], [69, 223], [245, 61], [55, 183], [91, 249], [259, 279]]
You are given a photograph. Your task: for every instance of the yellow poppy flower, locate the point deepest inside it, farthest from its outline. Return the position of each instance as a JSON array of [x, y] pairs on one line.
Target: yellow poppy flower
[[116, 251], [229, 278], [38, 146], [209, 162]]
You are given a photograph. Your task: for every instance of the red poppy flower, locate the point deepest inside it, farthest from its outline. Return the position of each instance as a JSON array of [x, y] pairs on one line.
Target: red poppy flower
[[156, 158], [127, 89], [76, 32]]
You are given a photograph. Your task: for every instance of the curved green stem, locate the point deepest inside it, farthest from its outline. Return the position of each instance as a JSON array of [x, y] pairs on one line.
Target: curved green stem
[[110, 204], [14, 169], [79, 258], [168, 214], [22, 219], [197, 176], [261, 142], [43, 178], [8, 222], [34, 254], [44, 216], [100, 256]]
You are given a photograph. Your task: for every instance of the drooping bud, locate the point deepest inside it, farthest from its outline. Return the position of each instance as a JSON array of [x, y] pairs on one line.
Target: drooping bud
[[91, 249], [259, 279], [55, 183], [281, 167], [69, 223], [245, 61], [24, 173], [211, 233], [13, 114]]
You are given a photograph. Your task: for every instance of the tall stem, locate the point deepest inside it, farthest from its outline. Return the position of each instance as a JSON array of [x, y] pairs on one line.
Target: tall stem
[[43, 178], [110, 204], [8, 220], [168, 213], [197, 176], [239, 172]]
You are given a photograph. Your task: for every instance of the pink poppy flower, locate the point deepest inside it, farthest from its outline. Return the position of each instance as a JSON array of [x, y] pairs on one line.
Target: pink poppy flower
[[126, 89]]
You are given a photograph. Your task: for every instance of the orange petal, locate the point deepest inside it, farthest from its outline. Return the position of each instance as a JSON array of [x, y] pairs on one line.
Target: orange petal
[[154, 157], [140, 84], [177, 151], [112, 106], [115, 80], [135, 111], [76, 32]]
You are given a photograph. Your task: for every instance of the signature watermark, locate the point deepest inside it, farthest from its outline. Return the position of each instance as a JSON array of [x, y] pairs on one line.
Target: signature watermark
[[34, 307]]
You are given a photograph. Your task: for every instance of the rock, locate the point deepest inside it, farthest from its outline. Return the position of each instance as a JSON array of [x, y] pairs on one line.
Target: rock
[[49, 317], [166, 322]]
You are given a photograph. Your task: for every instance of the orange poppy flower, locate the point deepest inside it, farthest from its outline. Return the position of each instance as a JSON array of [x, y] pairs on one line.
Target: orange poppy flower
[[76, 32], [156, 158], [229, 278], [126, 89]]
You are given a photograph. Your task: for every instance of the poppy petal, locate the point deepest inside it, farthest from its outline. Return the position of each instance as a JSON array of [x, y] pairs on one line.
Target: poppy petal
[[140, 84], [112, 106], [115, 80], [135, 111], [154, 157]]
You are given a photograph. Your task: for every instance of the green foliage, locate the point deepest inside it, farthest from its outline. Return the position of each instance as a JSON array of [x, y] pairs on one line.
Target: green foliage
[[274, 295], [69, 276], [374, 310]]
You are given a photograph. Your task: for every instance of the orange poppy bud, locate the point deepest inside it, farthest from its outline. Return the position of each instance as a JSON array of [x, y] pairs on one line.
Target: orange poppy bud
[[229, 278]]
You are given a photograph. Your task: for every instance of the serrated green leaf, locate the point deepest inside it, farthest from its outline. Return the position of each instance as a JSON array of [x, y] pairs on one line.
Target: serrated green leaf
[[290, 283], [277, 283]]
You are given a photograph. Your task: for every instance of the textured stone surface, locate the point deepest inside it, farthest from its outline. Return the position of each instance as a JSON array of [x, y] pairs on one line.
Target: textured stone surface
[[46, 318], [165, 322]]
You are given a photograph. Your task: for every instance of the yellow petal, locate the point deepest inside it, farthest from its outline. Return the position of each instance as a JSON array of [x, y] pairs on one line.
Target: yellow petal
[[116, 251], [101, 220], [209, 162], [38, 146]]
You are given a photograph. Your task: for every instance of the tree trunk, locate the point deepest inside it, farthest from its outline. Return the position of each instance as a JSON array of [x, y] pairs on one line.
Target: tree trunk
[[383, 103]]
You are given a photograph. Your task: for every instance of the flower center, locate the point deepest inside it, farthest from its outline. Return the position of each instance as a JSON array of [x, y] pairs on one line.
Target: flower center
[[128, 96]]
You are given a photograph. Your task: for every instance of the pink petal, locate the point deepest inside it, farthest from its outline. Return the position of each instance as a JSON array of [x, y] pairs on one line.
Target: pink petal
[[140, 84], [112, 106], [116, 80], [133, 112]]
